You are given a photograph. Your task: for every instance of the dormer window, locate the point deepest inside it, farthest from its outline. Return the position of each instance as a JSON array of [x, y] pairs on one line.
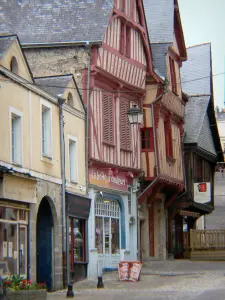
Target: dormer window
[[14, 65], [70, 99]]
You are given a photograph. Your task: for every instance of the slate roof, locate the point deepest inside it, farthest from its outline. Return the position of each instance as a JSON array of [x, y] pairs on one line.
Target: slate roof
[[159, 16], [55, 21], [160, 20], [196, 124], [5, 43], [56, 85], [196, 71]]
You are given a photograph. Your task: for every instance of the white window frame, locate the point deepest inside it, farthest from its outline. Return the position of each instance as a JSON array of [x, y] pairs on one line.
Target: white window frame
[[46, 105], [15, 113], [73, 178]]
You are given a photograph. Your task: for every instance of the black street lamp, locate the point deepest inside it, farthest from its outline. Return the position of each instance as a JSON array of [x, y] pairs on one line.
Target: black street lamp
[[135, 115]]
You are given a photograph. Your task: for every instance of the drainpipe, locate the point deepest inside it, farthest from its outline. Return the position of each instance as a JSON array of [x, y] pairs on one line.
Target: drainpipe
[[87, 114], [64, 216]]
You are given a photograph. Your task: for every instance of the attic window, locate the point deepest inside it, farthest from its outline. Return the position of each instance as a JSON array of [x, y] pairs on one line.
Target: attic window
[[70, 99], [14, 65]]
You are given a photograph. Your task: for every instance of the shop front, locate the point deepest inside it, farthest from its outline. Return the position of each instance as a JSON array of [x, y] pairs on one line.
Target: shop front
[[78, 208], [109, 234], [16, 194]]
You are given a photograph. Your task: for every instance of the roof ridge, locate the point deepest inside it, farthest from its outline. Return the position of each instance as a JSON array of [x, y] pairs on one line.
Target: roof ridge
[[198, 45]]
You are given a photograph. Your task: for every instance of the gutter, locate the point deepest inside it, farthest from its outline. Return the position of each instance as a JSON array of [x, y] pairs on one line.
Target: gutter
[[65, 249], [145, 192], [60, 44]]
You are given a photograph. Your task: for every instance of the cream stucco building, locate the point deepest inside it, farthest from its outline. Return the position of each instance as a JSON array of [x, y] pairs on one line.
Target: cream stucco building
[[42, 171]]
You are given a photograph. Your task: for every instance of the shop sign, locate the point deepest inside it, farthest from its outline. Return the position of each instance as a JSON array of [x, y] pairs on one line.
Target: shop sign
[[202, 192], [102, 178], [19, 189]]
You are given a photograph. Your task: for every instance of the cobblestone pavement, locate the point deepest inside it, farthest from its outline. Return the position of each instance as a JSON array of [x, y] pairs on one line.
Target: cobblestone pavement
[[201, 281]]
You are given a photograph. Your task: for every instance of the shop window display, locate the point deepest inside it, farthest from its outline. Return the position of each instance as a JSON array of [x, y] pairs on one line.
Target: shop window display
[[13, 241]]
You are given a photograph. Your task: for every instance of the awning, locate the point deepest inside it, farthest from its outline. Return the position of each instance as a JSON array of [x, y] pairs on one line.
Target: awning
[[78, 206], [189, 214]]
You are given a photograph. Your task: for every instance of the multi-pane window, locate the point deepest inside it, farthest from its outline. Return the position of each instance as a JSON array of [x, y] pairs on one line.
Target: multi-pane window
[[168, 138], [173, 75], [147, 139], [107, 232], [16, 139], [46, 132], [73, 160], [108, 118], [125, 137]]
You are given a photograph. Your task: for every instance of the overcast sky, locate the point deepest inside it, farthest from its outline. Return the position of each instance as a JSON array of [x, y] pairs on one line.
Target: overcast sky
[[204, 21]]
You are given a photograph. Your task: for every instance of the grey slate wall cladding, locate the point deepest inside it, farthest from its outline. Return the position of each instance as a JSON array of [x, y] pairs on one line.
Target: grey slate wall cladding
[[38, 21], [195, 111], [205, 140], [197, 66], [159, 57]]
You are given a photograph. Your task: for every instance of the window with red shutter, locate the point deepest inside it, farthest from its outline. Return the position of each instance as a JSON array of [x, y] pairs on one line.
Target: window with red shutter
[[124, 125], [122, 40], [168, 138], [108, 118], [147, 143], [128, 42], [173, 75]]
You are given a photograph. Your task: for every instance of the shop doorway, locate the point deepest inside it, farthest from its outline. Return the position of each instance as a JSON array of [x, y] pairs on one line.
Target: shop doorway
[[107, 231], [44, 243]]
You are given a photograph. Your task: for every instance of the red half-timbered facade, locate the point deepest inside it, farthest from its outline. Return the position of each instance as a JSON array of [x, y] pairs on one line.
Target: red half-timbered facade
[[161, 141], [117, 82]]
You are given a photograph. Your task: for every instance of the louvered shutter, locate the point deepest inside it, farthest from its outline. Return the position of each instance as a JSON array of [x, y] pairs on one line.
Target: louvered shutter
[[108, 124], [124, 125]]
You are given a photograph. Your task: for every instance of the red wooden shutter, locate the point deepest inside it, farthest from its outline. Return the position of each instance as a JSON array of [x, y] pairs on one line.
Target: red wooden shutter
[[124, 125], [108, 123]]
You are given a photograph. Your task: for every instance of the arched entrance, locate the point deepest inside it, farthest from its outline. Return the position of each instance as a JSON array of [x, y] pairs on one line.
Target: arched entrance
[[44, 234]]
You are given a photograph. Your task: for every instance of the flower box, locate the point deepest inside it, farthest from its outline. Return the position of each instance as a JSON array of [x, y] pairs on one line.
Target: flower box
[[26, 294]]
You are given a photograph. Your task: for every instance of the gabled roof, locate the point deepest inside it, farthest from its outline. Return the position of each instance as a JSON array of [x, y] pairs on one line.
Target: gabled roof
[[5, 43], [196, 71], [56, 21], [56, 85], [163, 20], [200, 121]]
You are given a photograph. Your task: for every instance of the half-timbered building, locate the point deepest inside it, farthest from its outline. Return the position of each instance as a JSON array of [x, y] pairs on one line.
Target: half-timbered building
[[105, 45], [202, 150], [161, 151]]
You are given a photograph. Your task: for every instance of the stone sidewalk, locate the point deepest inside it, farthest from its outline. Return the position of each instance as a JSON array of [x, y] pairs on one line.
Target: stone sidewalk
[[156, 276]]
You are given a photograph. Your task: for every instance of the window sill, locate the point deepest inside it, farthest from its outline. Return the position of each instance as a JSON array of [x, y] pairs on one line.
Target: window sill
[[17, 164], [127, 150], [170, 160], [74, 182], [147, 150], [46, 158], [108, 144]]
